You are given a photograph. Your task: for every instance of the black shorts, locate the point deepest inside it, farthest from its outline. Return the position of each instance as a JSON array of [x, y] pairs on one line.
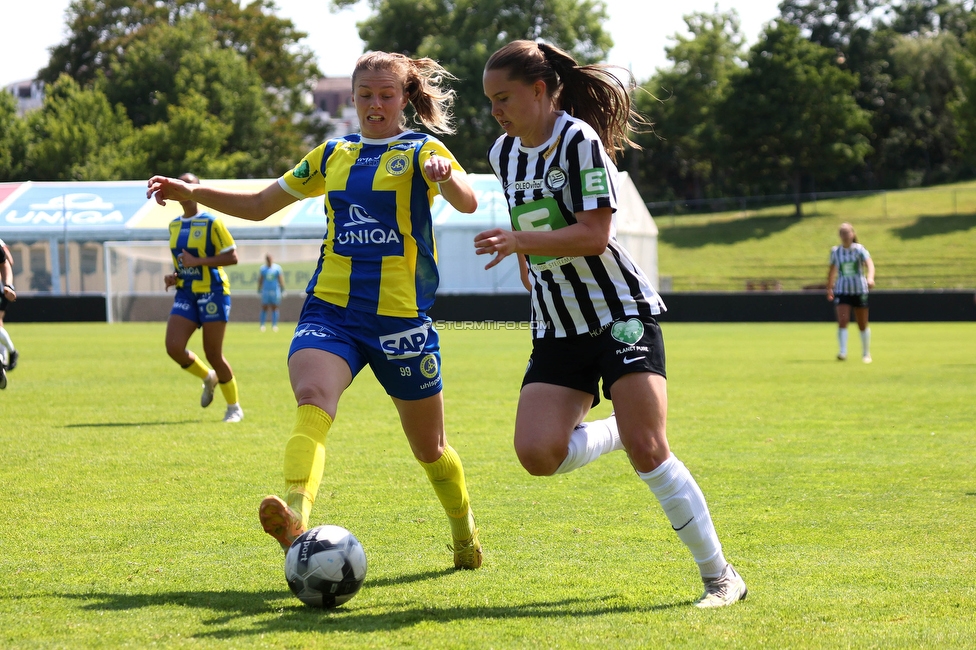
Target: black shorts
[[627, 345], [852, 299], [3, 301]]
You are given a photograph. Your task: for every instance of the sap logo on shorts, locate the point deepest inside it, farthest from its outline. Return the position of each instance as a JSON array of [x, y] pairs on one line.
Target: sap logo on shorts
[[405, 344], [318, 331]]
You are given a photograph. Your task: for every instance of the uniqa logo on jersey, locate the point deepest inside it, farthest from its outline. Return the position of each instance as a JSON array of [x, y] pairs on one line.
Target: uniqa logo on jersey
[[361, 228]]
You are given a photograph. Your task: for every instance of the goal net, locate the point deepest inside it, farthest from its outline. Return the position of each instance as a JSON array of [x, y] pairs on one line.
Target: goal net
[[134, 279]]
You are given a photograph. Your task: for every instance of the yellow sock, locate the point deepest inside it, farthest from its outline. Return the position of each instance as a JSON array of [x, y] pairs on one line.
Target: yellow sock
[[197, 368], [305, 458], [447, 477], [229, 389]]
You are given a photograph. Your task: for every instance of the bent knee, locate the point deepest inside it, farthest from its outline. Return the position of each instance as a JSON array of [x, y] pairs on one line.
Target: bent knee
[[539, 460]]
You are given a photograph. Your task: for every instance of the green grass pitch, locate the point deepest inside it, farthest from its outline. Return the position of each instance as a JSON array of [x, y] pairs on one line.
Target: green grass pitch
[[844, 493]]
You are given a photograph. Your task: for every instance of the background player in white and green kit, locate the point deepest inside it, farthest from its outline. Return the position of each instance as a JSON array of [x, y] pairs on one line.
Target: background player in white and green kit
[[271, 284], [849, 277]]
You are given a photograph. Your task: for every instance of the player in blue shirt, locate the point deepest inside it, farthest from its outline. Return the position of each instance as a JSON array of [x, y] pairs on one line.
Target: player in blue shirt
[[375, 281], [271, 284], [201, 247]]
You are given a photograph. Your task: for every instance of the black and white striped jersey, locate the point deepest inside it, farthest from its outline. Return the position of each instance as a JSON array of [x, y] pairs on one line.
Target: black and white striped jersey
[[850, 269], [545, 187]]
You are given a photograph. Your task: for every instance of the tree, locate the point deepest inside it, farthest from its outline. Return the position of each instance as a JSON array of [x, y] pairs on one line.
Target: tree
[[14, 139], [98, 29], [964, 105], [462, 35], [76, 135], [791, 115], [679, 157], [918, 143], [173, 63]]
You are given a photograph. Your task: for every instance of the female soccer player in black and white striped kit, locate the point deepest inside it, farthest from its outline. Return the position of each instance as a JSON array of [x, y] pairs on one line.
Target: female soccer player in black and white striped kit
[[592, 307], [850, 275]]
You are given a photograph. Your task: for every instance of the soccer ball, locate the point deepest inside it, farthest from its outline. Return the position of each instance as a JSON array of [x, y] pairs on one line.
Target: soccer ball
[[325, 566]]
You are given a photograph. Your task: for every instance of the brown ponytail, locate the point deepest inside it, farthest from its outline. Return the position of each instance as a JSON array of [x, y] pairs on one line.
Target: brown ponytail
[[591, 93]]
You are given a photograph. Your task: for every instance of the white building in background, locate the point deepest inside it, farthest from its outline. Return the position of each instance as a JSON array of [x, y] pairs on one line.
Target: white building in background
[[29, 94]]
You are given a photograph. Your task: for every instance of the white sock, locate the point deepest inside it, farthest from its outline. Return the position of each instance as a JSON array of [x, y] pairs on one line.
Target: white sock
[[589, 441], [5, 340], [684, 505], [842, 339], [866, 342]]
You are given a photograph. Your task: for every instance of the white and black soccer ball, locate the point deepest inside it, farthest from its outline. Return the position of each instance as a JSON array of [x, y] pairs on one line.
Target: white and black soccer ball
[[325, 566]]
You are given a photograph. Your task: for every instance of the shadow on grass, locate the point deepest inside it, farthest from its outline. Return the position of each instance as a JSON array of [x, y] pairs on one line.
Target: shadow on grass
[[726, 232], [232, 605], [93, 425], [929, 225]]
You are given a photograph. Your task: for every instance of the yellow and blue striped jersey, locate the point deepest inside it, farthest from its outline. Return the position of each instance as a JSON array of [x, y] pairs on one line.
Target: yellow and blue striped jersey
[[204, 236], [378, 254]]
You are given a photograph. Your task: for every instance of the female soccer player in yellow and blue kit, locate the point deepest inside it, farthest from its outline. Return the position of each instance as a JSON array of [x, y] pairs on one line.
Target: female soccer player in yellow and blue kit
[[201, 247], [375, 280]]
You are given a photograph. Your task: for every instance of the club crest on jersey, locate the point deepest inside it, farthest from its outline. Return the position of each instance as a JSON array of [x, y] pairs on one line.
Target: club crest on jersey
[[198, 232], [397, 165], [302, 171], [556, 178], [406, 344]]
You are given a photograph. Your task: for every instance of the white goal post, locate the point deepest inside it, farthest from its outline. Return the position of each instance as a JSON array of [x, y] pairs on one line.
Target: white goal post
[[135, 269]]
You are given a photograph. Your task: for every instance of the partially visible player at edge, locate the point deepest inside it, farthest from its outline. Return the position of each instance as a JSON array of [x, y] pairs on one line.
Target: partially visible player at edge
[[592, 306], [271, 284], [375, 280], [849, 277], [9, 354], [201, 247]]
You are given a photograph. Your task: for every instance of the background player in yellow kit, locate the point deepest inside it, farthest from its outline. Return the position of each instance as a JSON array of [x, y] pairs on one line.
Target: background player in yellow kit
[[201, 247], [375, 280]]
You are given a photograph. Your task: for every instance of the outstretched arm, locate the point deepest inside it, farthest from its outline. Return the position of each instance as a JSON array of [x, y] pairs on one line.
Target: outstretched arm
[[253, 206], [454, 184]]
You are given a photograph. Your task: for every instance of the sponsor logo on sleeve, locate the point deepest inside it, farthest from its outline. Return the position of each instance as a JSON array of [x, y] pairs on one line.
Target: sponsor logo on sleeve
[[303, 170], [595, 182]]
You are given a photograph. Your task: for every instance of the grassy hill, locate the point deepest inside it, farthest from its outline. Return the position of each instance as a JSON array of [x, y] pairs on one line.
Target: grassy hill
[[919, 239]]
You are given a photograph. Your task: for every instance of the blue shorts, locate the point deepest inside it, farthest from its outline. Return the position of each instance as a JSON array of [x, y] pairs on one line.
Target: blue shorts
[[201, 307], [271, 298], [404, 353]]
